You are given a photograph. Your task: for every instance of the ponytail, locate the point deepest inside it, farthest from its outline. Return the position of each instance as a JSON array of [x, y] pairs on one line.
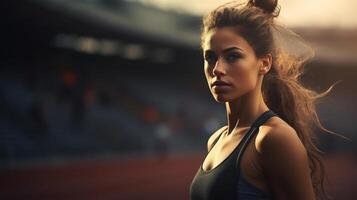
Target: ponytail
[[295, 104]]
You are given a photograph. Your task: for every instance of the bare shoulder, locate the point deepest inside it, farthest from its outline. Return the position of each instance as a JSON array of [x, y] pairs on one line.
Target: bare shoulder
[[214, 136], [284, 160], [277, 134]]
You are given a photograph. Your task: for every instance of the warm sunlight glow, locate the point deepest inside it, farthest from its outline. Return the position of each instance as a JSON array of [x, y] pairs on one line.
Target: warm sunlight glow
[[298, 13]]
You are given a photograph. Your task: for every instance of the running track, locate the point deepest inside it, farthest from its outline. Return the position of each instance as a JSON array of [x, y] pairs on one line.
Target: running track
[[131, 179]]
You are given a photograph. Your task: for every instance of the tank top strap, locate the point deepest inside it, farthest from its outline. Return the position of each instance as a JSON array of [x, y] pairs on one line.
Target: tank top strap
[[252, 131], [263, 118]]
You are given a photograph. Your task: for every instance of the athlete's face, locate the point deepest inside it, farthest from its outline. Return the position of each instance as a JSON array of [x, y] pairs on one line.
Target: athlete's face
[[230, 58]]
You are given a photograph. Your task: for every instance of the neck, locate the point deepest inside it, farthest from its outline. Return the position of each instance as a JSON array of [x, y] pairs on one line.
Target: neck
[[243, 111]]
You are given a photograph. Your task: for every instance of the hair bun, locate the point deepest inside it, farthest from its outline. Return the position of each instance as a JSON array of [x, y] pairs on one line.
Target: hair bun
[[268, 6]]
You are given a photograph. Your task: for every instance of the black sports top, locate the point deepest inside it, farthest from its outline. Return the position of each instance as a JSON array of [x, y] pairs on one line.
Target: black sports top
[[224, 182]]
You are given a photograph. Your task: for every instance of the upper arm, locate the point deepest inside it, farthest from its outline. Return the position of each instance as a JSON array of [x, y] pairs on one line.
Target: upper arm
[[285, 164], [213, 137]]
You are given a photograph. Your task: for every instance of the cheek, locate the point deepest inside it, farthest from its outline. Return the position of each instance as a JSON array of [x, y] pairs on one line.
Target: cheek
[[208, 72], [245, 76], [208, 75]]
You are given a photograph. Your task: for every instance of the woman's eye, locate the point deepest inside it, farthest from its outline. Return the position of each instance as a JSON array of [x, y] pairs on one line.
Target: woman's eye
[[210, 59], [233, 57]]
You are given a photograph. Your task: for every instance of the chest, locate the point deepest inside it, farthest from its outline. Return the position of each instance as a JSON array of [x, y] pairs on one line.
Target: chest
[[250, 166]]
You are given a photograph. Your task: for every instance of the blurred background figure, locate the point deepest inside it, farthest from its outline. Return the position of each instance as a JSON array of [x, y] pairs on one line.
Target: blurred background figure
[[107, 99]]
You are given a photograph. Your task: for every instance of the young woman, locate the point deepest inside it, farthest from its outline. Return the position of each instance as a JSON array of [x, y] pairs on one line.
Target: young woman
[[269, 112]]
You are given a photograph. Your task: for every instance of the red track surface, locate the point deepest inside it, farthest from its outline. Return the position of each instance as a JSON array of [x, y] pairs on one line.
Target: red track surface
[[146, 178]]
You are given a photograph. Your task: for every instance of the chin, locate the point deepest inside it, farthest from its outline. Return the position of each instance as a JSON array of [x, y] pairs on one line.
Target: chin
[[221, 98], [225, 97]]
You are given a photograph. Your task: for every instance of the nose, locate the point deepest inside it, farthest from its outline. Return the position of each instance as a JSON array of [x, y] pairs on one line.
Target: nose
[[218, 68]]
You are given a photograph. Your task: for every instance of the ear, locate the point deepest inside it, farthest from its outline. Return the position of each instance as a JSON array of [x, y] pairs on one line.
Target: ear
[[265, 64]]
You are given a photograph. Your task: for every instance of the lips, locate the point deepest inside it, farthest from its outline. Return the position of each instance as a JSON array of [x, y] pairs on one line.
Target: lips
[[219, 83]]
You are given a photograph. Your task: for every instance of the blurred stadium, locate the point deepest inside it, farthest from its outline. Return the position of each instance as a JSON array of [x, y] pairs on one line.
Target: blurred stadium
[[107, 99]]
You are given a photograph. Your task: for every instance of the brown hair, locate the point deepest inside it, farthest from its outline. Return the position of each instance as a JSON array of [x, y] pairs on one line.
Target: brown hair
[[282, 90]]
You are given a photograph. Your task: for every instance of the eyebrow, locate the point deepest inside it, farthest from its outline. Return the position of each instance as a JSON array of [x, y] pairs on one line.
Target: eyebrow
[[227, 49]]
